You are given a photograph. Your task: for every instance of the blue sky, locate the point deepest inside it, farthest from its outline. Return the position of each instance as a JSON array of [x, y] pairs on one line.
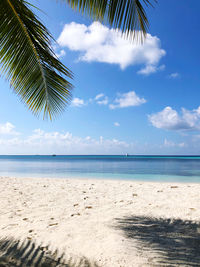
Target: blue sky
[[128, 98]]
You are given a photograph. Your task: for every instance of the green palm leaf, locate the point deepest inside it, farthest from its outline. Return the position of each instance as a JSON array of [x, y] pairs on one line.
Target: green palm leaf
[[127, 15], [28, 62]]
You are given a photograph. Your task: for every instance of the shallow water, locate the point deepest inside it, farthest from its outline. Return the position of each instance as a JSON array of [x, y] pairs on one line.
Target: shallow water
[[146, 168]]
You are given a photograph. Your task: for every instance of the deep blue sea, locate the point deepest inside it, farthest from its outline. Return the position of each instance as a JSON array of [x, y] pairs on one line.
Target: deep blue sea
[[144, 168]]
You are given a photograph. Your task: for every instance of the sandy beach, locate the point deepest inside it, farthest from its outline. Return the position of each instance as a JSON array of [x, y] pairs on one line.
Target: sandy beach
[[112, 223]]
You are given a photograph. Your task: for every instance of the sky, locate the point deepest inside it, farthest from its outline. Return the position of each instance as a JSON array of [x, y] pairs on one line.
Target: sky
[[127, 98]]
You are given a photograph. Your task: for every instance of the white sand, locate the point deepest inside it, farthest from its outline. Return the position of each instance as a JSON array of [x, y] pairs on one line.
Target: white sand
[[79, 216]]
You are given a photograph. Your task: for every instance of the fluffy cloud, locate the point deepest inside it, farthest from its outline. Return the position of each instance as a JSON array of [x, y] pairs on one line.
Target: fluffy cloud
[[168, 143], [121, 101], [169, 119], [77, 102], [61, 53], [148, 69], [116, 124], [41, 142], [97, 97], [101, 99], [127, 100], [8, 128], [97, 43], [174, 75]]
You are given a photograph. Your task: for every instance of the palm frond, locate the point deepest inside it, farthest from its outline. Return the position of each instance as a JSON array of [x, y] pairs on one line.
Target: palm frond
[[28, 61], [127, 15]]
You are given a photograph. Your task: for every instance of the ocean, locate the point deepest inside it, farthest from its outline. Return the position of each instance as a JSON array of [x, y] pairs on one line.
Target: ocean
[[143, 168]]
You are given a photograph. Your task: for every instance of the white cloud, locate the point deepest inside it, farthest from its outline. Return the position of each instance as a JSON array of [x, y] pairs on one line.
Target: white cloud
[[148, 69], [78, 102], [41, 142], [116, 124], [169, 119], [121, 101], [99, 96], [58, 51], [61, 53], [101, 99], [174, 75], [97, 43], [8, 128], [127, 100], [168, 143]]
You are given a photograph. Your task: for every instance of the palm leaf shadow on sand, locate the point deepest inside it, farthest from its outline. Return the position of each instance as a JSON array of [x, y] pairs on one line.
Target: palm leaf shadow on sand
[[16, 253], [175, 242]]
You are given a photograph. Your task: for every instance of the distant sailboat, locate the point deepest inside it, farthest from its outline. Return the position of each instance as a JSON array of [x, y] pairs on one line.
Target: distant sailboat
[[127, 154], [54, 155]]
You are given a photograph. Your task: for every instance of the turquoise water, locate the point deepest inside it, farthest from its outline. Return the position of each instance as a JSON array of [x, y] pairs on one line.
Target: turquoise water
[[144, 168]]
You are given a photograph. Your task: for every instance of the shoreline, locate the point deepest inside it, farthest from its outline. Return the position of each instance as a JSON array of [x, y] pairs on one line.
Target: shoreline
[[93, 178], [85, 217]]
